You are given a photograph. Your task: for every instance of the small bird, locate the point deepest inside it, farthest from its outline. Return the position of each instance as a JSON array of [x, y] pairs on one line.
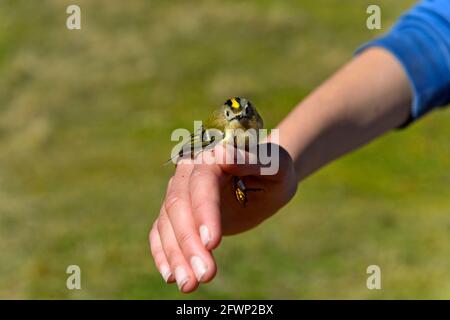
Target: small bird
[[236, 113]]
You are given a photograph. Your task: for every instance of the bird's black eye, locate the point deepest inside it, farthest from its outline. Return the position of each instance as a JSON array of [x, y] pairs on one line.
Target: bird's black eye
[[227, 113]]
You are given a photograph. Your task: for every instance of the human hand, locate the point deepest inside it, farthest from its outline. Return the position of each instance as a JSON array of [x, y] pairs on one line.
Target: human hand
[[200, 207]]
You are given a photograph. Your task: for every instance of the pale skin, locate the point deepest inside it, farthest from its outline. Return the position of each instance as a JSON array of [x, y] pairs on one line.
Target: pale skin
[[367, 97]]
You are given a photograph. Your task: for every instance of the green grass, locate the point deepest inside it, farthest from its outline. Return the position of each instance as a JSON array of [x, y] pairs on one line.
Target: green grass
[[85, 123]]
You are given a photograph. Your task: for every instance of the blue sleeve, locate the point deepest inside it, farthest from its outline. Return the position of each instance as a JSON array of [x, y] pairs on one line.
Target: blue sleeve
[[420, 40]]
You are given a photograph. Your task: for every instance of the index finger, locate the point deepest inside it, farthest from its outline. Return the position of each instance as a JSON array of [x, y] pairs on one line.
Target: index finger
[[179, 212], [204, 185]]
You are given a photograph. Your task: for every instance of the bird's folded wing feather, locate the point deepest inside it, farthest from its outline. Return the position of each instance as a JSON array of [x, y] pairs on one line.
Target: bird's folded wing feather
[[200, 141]]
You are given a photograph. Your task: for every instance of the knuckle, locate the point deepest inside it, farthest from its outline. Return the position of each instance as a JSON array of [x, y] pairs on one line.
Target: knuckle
[[198, 170], [184, 238], [172, 256], [198, 206], [203, 205], [173, 198], [197, 176], [160, 225]]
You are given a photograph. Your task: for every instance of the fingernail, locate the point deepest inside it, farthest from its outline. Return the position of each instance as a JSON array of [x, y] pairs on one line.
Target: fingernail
[[181, 277], [199, 267], [204, 235], [165, 272]]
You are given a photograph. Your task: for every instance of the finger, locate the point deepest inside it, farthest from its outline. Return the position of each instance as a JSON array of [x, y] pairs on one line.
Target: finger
[[179, 212], [271, 161], [205, 185], [179, 267], [236, 161], [158, 254]]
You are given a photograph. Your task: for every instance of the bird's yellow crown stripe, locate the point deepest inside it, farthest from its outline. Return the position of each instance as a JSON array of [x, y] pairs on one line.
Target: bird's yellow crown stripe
[[234, 103]]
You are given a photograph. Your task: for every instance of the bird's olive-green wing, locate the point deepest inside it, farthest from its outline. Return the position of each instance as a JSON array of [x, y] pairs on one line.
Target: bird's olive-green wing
[[216, 121], [200, 141]]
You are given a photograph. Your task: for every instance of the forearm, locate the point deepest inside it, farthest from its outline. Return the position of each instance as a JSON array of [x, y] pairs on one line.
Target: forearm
[[363, 100]]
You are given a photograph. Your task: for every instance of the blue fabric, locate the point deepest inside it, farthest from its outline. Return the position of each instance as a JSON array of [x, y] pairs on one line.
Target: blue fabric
[[420, 40]]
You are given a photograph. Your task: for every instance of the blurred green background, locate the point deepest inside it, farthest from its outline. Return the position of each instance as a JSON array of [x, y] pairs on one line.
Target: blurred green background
[[85, 124]]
